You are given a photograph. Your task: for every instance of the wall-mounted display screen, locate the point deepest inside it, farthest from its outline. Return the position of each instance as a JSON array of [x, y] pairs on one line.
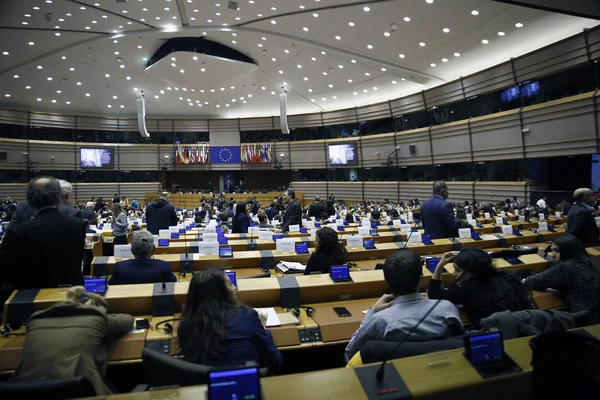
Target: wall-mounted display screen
[[343, 154], [529, 89], [97, 158]]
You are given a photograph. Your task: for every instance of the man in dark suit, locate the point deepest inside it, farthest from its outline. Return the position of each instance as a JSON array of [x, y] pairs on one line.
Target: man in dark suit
[[88, 213], [46, 251], [26, 212], [580, 221], [293, 213], [161, 214], [317, 208], [142, 269], [438, 215], [272, 211]]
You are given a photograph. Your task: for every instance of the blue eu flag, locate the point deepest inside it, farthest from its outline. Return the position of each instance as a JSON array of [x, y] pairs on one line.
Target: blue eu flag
[[225, 155]]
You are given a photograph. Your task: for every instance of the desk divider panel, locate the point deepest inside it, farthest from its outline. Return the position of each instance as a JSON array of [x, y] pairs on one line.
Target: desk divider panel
[[100, 266], [163, 299], [20, 307], [267, 259], [290, 292]]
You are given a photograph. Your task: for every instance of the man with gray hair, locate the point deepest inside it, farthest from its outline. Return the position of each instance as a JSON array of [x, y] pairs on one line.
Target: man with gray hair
[[142, 269], [438, 215], [25, 211], [46, 251], [580, 220], [161, 214]]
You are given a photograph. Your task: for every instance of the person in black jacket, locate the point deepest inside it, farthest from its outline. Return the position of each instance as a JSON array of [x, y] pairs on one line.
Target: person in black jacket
[[161, 214], [241, 221], [46, 251], [317, 208], [328, 251], [271, 212], [480, 287], [293, 213], [580, 221]]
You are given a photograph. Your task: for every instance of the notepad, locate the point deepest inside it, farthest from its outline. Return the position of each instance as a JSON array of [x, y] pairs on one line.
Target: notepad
[[272, 318]]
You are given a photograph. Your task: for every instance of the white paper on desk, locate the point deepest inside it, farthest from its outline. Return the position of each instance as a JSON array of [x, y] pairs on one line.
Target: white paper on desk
[[472, 222], [309, 224], [123, 251], [294, 228], [516, 211], [210, 229], [541, 217], [253, 230], [487, 215], [469, 216], [209, 237], [363, 230], [499, 221], [354, 241], [173, 229], [507, 230], [405, 228], [265, 235], [208, 248], [415, 237], [155, 238], [285, 245], [272, 318], [339, 222], [521, 218], [464, 233], [164, 233], [293, 265], [557, 214], [543, 226], [396, 222]]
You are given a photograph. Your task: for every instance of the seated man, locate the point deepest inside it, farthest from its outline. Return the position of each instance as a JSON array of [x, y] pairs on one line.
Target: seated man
[[394, 315], [375, 216], [142, 269], [263, 222]]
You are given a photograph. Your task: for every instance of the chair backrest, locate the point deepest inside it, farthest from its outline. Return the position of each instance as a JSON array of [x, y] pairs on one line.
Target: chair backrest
[[163, 370], [48, 390]]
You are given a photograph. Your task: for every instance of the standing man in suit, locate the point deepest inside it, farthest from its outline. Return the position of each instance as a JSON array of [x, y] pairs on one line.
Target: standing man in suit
[[317, 208], [580, 220], [25, 211], [46, 251], [161, 214], [293, 213], [438, 215], [143, 268]]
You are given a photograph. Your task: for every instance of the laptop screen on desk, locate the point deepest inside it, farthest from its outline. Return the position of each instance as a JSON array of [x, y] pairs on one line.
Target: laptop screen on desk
[[225, 252], [301, 248], [95, 285], [369, 244], [486, 348], [340, 272]]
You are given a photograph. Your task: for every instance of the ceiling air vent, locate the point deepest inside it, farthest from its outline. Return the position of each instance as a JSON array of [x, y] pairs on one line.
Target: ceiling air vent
[[232, 5]]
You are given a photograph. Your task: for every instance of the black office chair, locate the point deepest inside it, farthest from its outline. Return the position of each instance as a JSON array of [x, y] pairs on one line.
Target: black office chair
[[164, 370], [49, 390]]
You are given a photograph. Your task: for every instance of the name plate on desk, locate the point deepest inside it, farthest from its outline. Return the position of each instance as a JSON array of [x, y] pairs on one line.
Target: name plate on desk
[[209, 237], [464, 233], [472, 222], [543, 226], [265, 235], [521, 218], [557, 214], [313, 233], [123, 251], [499, 221], [516, 211], [210, 229], [487, 215], [540, 216], [362, 230], [253, 230], [208, 248], [164, 233], [285, 245], [354, 241], [415, 237], [294, 228], [396, 222], [405, 228], [507, 230], [174, 229]]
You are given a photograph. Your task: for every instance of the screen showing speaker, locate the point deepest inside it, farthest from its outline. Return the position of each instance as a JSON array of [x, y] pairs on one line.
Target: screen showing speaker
[[343, 154], [97, 158]]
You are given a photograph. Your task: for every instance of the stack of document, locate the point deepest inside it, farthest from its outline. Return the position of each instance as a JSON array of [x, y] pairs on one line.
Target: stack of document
[[289, 267]]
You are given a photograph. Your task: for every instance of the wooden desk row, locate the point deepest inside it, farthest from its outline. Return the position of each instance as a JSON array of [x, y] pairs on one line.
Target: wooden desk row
[[268, 258]]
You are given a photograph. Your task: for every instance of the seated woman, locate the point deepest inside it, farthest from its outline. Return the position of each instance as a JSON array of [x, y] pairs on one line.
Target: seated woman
[[324, 218], [241, 221], [480, 288], [225, 227], [143, 268], [328, 251], [574, 273], [217, 330], [461, 218], [70, 339]]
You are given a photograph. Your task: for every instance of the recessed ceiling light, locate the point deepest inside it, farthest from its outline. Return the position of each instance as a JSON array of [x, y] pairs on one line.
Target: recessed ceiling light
[[273, 21], [5, 53], [280, 71], [428, 1], [407, 19], [54, 101], [315, 15], [299, 66], [16, 76], [367, 74], [365, 90], [370, 46], [305, 29], [7, 95], [218, 14], [456, 54], [313, 100], [338, 38], [156, 96], [39, 67], [375, 88], [57, 34], [71, 69], [501, 33], [145, 58], [446, 30], [232, 87], [485, 41], [519, 25], [313, 58], [305, 78], [115, 97], [250, 95], [340, 66], [273, 59], [36, 8], [87, 95], [422, 44], [27, 87], [209, 20], [351, 23], [354, 93], [272, 93], [330, 86], [394, 82], [433, 65], [122, 106], [263, 88], [31, 43], [82, 8], [334, 97], [323, 53], [260, 45], [24, 23], [233, 41], [38, 99], [353, 61], [383, 69], [350, 80], [284, 83], [310, 90], [387, 34], [324, 73], [49, 78], [78, 83], [475, 12], [444, 60], [324, 98], [366, 9], [68, 102]]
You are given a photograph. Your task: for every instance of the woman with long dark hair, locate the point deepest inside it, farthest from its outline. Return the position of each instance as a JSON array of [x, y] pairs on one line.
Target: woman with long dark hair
[[574, 273], [241, 221], [480, 288], [328, 251], [217, 330]]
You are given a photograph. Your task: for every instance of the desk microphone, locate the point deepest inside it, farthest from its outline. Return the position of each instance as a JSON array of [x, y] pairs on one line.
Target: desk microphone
[[381, 370], [409, 235], [164, 285], [252, 245]]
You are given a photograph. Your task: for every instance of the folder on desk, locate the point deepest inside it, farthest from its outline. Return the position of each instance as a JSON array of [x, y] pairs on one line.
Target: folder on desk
[[288, 267]]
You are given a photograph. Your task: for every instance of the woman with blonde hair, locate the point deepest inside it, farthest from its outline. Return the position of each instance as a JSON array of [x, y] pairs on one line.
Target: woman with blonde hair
[[121, 228], [70, 339]]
